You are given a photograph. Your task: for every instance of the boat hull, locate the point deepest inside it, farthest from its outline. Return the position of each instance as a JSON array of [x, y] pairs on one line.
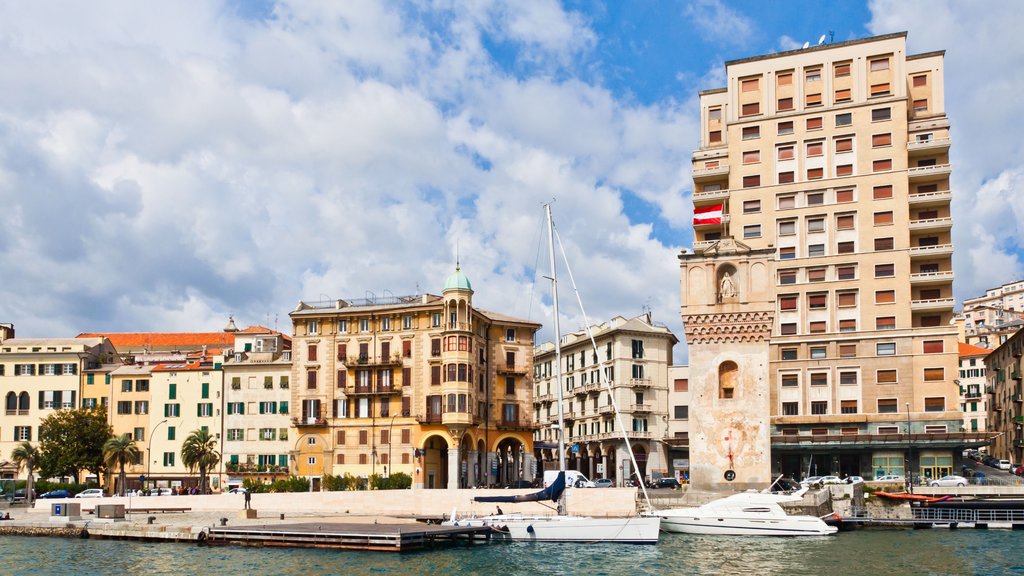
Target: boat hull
[[577, 529], [791, 526]]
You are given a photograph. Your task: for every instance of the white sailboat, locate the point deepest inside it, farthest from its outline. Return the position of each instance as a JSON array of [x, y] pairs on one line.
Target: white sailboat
[[562, 527], [748, 513]]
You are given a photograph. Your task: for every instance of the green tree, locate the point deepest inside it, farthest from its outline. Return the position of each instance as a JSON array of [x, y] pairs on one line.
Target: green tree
[[71, 441], [199, 451], [25, 455], [118, 452]]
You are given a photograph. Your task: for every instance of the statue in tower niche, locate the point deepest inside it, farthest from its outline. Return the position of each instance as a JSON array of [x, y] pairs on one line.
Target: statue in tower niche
[[727, 290]]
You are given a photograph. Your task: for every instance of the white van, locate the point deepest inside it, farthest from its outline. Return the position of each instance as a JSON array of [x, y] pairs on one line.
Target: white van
[[1004, 464], [573, 479]]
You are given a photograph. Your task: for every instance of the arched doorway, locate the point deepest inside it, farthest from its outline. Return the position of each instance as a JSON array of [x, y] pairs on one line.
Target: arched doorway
[[435, 462], [465, 447], [611, 468], [480, 470], [509, 456]]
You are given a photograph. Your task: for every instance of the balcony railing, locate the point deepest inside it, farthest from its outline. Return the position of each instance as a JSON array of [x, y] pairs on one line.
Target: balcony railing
[[641, 407], [932, 145], [377, 389], [361, 360], [932, 304], [606, 409], [429, 418], [640, 382], [705, 172], [512, 368], [308, 421], [931, 277], [930, 198], [931, 224], [927, 251], [17, 412], [710, 196], [969, 395], [929, 172], [516, 424], [1017, 397]]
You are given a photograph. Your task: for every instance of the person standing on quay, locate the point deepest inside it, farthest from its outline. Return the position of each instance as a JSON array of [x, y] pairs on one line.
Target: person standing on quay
[[248, 499]]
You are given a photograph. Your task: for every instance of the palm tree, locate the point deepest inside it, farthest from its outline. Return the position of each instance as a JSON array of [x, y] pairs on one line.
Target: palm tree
[[27, 455], [199, 451], [119, 451]]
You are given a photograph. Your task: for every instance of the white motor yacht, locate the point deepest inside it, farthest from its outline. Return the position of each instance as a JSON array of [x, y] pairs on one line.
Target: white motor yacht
[[745, 514]]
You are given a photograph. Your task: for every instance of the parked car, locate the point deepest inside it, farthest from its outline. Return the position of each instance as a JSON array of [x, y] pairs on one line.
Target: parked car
[[603, 483], [854, 479], [237, 491], [667, 483], [90, 493], [831, 480], [1003, 465], [19, 494], [56, 494], [951, 480], [891, 478], [810, 480], [1018, 469]]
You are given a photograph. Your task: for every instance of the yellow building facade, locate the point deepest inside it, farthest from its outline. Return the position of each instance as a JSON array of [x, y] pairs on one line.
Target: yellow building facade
[[426, 385]]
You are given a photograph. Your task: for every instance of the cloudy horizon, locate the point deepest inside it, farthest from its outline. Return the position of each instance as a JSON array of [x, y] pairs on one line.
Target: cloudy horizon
[[166, 165]]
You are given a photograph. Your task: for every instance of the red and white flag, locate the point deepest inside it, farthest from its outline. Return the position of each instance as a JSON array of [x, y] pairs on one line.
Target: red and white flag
[[707, 215]]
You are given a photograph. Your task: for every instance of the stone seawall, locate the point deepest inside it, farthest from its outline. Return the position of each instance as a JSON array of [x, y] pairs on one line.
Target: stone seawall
[[598, 502]]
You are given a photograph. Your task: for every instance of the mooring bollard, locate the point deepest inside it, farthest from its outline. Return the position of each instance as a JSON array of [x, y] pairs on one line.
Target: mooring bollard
[[223, 521], [150, 519]]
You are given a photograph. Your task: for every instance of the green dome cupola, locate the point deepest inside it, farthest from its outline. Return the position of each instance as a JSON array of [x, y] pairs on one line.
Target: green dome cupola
[[457, 281]]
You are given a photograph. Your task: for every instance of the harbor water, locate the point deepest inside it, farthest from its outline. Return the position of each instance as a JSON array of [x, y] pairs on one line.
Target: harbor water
[[871, 551]]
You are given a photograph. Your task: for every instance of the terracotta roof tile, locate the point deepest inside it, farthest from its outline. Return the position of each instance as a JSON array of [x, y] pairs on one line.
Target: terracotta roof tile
[[176, 340], [971, 350]]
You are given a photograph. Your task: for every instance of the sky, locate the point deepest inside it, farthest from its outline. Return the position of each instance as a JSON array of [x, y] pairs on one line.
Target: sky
[[164, 165]]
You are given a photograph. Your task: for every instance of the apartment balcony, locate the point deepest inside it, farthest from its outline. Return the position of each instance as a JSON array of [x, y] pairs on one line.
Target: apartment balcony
[[931, 224], [927, 199], [975, 395], [703, 245], [710, 197], [635, 435], [929, 173], [725, 220], [1017, 397], [517, 424], [931, 278], [606, 409], [932, 146], [713, 172], [378, 389], [428, 418], [1015, 375], [641, 408], [931, 251], [933, 305], [639, 382], [372, 361], [314, 421], [513, 369]]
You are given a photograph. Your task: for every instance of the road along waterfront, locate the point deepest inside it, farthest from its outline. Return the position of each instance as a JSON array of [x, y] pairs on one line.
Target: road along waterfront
[[869, 551]]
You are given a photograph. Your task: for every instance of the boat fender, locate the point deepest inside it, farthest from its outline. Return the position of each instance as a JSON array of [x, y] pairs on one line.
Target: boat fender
[[455, 524], [529, 529], [201, 537]]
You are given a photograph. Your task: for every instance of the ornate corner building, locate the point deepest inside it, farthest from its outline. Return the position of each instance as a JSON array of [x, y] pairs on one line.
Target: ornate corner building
[[832, 162], [426, 385]]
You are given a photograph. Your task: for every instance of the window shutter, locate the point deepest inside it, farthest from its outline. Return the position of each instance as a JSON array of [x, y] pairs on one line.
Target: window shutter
[[57, 397], [262, 408], [284, 407], [41, 400], [74, 368], [305, 410]]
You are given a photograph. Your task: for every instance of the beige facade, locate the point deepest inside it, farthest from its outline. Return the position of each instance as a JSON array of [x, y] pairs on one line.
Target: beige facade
[[1006, 399], [678, 438], [426, 385], [635, 355], [992, 319], [972, 382], [184, 398], [836, 158], [39, 376], [257, 413]]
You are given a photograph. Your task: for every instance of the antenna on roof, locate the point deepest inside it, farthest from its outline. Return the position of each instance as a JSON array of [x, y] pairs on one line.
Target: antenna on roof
[[821, 40], [806, 45], [831, 36]]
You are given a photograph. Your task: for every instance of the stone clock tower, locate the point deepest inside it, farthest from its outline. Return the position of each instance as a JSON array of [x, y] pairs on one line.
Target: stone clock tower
[[728, 311]]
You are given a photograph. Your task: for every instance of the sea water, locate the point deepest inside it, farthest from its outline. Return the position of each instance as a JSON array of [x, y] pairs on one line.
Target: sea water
[[868, 551]]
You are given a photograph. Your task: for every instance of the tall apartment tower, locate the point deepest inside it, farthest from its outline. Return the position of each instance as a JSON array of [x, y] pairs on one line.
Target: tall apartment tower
[[836, 159]]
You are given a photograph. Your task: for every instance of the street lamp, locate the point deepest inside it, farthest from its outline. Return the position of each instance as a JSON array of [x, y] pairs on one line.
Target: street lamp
[[149, 445], [910, 451]]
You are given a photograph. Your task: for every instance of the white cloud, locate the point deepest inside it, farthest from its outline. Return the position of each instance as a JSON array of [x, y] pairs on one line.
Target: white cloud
[[156, 179], [717, 22], [983, 81]]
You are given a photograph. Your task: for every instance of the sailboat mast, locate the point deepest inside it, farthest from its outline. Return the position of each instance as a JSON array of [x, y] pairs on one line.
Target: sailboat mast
[[558, 354]]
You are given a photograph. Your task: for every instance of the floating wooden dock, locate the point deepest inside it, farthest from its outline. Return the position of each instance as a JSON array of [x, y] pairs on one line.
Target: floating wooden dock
[[384, 537], [948, 518]]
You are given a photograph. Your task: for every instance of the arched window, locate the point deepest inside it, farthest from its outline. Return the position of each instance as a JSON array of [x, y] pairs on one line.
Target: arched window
[[728, 377], [23, 401], [12, 401]]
